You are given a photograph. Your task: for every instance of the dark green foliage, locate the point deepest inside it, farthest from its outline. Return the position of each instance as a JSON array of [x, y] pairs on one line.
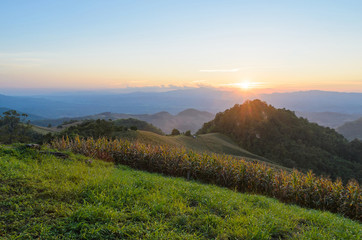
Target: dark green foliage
[[303, 189], [12, 129], [279, 135], [93, 128], [175, 132], [69, 121], [110, 129], [188, 133], [138, 125]]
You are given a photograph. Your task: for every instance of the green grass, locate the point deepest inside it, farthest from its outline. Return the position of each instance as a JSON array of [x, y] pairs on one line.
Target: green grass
[[50, 198], [211, 143], [44, 130]]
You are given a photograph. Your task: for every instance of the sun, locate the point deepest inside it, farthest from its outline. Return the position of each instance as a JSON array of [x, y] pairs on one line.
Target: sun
[[245, 85]]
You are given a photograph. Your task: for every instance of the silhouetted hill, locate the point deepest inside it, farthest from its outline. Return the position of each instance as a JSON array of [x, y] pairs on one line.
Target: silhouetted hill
[[351, 130], [279, 135]]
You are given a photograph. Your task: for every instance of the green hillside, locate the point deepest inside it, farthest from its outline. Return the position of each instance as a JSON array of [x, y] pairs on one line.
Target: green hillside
[[279, 135], [43, 197], [211, 143], [44, 130]]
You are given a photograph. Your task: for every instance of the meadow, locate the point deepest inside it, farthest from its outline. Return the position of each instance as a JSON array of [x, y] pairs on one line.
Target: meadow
[[306, 190], [44, 197]]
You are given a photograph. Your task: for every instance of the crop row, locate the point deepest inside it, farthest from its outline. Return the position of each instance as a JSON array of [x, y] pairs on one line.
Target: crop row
[[306, 190]]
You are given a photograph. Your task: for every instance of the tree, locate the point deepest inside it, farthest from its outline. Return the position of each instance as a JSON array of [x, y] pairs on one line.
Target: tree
[[12, 129], [175, 132], [188, 133]]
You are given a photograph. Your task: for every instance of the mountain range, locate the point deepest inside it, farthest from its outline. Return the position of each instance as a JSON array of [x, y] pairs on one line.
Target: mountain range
[[331, 109], [189, 119]]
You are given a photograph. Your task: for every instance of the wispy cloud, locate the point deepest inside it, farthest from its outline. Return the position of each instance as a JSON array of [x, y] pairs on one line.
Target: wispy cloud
[[220, 70]]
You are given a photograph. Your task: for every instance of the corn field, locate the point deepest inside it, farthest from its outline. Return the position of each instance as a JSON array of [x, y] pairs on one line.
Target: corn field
[[306, 190]]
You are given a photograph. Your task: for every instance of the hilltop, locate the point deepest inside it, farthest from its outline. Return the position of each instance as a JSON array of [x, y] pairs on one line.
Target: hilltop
[[279, 135]]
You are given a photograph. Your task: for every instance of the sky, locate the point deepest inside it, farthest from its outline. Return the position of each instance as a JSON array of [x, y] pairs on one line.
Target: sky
[[273, 45]]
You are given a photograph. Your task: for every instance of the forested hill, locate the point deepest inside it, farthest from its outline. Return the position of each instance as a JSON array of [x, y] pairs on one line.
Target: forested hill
[[278, 134]]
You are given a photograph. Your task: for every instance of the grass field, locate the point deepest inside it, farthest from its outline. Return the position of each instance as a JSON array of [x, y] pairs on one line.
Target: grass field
[[46, 197], [211, 143]]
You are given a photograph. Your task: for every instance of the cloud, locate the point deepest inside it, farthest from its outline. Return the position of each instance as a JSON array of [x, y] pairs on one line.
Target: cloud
[[221, 70]]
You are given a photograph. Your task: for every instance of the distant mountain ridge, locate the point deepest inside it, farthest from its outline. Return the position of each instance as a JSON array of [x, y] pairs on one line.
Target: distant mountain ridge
[[189, 119], [208, 99], [351, 130], [328, 119], [77, 105], [316, 101]]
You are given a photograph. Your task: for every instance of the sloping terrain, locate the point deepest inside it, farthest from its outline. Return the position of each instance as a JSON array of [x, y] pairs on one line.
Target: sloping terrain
[[80, 198], [211, 143], [279, 135], [351, 130]]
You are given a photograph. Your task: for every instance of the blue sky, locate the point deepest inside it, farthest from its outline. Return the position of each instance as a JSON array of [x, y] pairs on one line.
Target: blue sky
[[108, 44]]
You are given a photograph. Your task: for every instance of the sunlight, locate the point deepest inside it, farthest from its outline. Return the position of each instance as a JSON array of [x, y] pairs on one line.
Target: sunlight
[[245, 85]]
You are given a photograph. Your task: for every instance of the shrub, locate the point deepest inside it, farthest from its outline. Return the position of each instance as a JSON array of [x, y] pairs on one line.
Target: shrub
[[175, 132]]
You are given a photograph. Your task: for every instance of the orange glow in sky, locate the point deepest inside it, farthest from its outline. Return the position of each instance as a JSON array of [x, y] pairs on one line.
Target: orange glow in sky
[[278, 45]]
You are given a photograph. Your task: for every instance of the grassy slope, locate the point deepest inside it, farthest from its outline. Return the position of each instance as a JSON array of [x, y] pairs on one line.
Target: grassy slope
[[44, 130], [45, 197], [211, 142]]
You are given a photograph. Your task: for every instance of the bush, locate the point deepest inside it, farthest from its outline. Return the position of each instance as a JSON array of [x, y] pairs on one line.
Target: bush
[[175, 132]]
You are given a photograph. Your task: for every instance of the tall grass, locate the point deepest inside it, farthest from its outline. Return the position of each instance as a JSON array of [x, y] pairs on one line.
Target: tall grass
[[306, 190]]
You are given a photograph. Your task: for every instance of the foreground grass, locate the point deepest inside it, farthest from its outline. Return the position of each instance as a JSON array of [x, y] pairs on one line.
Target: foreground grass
[[50, 198]]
